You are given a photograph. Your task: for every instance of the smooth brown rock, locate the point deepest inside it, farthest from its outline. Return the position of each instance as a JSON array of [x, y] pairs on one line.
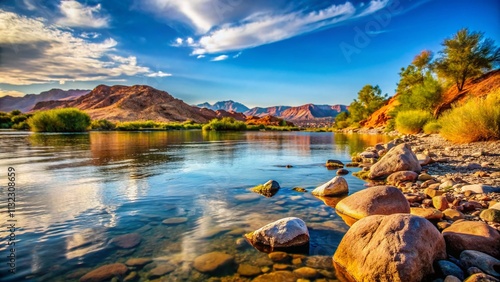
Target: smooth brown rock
[[490, 215], [212, 262], [440, 203], [398, 158], [248, 270], [433, 192], [175, 220], [306, 272], [161, 270], [134, 262], [105, 272], [472, 235], [453, 214], [402, 176], [335, 187], [375, 200], [398, 247], [276, 276], [428, 213], [279, 256], [127, 241]]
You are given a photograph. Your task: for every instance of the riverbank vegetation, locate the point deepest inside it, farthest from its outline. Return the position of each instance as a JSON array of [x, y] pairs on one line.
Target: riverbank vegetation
[[420, 91], [59, 120]]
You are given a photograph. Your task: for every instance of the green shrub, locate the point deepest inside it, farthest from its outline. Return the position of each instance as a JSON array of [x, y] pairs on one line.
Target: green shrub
[[21, 126], [412, 122], [432, 127], [102, 124], [226, 123], [59, 120], [476, 120]]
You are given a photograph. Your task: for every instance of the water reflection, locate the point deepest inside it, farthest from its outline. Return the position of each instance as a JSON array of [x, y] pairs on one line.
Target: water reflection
[[79, 191], [356, 143]]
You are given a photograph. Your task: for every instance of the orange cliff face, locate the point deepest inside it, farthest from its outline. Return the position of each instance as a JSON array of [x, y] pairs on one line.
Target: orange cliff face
[[473, 88]]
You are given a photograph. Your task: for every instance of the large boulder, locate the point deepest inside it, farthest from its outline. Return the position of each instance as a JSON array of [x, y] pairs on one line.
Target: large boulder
[[472, 235], [337, 186], [398, 247], [398, 158], [290, 232], [382, 200], [402, 176]]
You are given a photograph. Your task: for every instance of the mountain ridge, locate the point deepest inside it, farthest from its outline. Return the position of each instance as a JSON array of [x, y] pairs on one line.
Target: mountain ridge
[[28, 101]]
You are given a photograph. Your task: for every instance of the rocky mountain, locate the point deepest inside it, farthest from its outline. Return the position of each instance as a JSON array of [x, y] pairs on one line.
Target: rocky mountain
[[228, 106], [304, 112], [27, 102], [130, 103], [262, 112]]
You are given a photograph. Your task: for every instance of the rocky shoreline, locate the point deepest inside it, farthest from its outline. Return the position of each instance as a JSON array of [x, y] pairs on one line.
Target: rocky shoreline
[[455, 188]]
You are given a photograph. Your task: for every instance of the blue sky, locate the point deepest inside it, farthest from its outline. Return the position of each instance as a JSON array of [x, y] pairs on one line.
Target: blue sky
[[258, 52]]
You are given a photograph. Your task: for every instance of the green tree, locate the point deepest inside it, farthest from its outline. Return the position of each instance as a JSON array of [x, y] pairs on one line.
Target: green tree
[[466, 55], [369, 100], [417, 87]]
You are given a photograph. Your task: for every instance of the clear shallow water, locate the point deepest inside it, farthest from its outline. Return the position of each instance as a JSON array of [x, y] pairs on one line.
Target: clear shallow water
[[76, 192]]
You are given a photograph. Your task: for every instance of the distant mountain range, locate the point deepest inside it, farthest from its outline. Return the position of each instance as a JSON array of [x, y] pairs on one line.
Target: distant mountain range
[[230, 106], [27, 102], [304, 112]]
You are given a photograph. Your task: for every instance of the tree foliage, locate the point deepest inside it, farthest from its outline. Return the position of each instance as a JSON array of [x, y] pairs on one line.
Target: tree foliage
[[369, 100], [417, 87], [466, 55]]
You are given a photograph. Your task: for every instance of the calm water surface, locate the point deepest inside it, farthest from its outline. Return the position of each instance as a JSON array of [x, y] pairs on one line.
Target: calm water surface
[[76, 192]]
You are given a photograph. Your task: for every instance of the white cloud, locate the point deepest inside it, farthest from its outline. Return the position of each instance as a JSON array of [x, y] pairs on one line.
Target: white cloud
[[224, 29], [237, 55], [179, 41], [190, 41], [35, 52], [78, 15], [220, 58], [200, 56], [158, 74], [12, 93]]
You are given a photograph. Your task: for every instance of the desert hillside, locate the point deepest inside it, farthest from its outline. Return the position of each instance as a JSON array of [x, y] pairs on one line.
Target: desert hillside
[[130, 103], [27, 102]]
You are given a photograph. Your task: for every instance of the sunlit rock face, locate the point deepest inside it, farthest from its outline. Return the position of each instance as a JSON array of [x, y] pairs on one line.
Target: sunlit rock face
[[268, 189], [399, 158], [381, 200], [337, 186], [398, 247], [289, 233]]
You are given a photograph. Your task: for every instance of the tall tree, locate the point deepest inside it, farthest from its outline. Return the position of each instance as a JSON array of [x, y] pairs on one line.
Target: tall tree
[[369, 100], [466, 55]]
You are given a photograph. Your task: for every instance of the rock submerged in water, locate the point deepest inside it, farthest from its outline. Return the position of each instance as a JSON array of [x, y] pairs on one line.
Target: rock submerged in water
[[397, 247], [213, 262], [127, 241], [268, 189], [399, 158], [283, 234], [105, 273], [381, 200], [337, 186]]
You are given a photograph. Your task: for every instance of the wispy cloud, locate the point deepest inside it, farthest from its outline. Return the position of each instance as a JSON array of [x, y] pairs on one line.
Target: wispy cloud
[[78, 15], [36, 52], [158, 74], [237, 55], [225, 33], [12, 93], [90, 35], [219, 58]]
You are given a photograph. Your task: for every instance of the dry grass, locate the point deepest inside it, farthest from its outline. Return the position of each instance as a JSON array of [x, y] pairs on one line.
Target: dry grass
[[412, 122], [476, 120]]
